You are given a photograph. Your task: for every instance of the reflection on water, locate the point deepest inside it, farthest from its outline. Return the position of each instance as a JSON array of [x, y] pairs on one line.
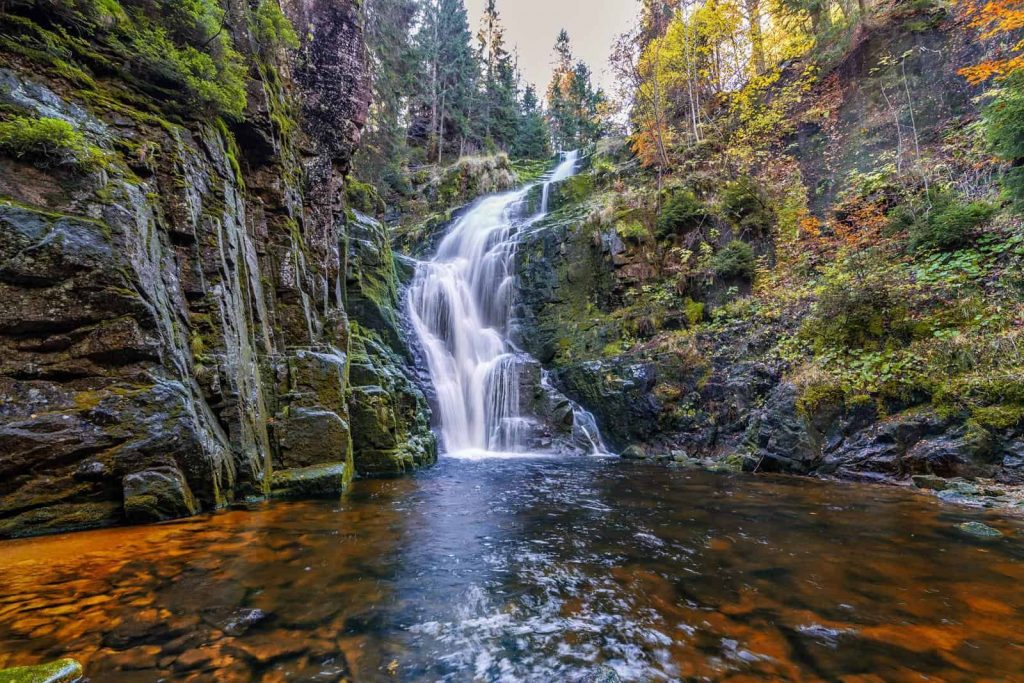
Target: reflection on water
[[533, 570]]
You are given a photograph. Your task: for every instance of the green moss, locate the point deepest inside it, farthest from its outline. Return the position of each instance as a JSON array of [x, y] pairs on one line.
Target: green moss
[[364, 197], [631, 230], [61, 671], [273, 29], [819, 396], [49, 142], [694, 311], [998, 418]]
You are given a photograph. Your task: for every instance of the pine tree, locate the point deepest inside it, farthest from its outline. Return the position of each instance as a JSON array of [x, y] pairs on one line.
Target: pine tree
[[573, 103], [445, 110], [533, 137], [396, 74], [499, 111]]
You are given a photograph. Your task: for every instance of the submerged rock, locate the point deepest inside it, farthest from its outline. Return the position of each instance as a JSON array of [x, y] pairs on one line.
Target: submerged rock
[[980, 530], [61, 671]]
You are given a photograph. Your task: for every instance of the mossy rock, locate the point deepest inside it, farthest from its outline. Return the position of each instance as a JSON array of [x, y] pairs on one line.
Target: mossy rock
[[60, 671], [321, 481]]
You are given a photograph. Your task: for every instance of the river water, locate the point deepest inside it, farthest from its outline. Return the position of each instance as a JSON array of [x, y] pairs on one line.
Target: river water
[[534, 569]]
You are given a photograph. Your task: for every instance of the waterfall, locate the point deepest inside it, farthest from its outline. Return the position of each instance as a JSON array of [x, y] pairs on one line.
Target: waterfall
[[460, 305]]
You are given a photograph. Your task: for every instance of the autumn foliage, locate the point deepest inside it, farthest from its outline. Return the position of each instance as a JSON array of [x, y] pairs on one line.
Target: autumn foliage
[[995, 18]]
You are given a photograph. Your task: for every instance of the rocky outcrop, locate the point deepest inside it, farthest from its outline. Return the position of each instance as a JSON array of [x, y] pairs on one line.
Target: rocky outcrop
[[174, 335]]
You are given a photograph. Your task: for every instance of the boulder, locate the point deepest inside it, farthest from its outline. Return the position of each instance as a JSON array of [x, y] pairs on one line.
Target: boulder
[[60, 671], [158, 494]]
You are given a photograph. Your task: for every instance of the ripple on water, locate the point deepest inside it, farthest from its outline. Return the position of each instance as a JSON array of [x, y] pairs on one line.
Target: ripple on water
[[533, 569]]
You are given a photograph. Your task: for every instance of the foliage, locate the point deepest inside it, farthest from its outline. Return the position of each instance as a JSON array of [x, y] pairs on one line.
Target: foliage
[[1004, 121], [745, 204], [735, 260], [681, 213], [857, 310], [48, 141], [948, 225], [996, 18], [273, 28]]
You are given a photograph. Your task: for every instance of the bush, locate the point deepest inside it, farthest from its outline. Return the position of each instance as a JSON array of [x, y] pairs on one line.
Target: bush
[[735, 260], [48, 141], [949, 226], [857, 313], [746, 206], [681, 213], [1004, 121]]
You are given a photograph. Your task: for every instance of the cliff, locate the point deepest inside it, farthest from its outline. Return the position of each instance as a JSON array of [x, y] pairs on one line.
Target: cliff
[[176, 259], [796, 313]]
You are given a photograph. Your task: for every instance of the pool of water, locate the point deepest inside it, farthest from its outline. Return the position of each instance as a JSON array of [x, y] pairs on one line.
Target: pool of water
[[534, 569]]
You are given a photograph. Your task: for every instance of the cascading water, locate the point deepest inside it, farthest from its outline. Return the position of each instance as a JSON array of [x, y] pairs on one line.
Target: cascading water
[[460, 304]]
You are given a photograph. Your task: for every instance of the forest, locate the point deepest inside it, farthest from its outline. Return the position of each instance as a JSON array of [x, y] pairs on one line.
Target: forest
[[407, 340]]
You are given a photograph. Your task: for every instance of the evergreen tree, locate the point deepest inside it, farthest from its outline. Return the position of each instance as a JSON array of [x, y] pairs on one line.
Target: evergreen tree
[[395, 64], [499, 110], [445, 109], [533, 137], [573, 103]]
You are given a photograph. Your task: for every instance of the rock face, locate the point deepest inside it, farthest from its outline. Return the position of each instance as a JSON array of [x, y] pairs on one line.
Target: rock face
[[174, 334], [624, 329]]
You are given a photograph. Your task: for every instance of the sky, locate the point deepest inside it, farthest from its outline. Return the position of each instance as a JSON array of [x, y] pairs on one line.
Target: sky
[[533, 25]]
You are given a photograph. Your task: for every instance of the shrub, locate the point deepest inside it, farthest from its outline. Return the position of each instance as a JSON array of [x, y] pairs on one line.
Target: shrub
[[1004, 121], [746, 206], [48, 141], [681, 213], [857, 313], [949, 226], [735, 260]]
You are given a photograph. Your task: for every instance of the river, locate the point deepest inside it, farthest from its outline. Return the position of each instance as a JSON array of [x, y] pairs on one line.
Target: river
[[534, 569]]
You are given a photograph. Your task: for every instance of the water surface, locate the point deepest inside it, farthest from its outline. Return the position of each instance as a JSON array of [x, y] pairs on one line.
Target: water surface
[[534, 569]]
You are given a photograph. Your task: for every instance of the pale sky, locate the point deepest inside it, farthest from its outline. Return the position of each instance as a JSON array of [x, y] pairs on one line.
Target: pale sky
[[533, 25]]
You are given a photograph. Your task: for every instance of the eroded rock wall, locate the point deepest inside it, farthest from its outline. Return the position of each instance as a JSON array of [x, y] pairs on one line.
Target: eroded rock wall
[[173, 330]]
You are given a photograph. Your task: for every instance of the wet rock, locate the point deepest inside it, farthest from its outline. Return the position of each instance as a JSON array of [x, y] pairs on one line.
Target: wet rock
[[243, 620], [61, 671], [979, 530], [311, 436], [634, 452], [778, 438], [930, 482], [604, 674], [158, 494], [320, 481]]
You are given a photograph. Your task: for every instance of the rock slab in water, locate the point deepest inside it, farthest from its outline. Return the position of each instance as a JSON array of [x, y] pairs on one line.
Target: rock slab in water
[[61, 671], [979, 530]]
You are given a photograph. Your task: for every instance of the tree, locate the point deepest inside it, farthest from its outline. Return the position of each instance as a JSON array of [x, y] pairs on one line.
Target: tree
[[500, 111], [396, 74], [573, 103], [451, 79], [533, 138]]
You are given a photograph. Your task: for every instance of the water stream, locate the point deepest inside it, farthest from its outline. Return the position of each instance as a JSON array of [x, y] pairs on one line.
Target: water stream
[[460, 305], [545, 569]]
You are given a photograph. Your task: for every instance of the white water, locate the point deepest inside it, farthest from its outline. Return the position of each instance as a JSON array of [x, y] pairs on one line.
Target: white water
[[460, 304]]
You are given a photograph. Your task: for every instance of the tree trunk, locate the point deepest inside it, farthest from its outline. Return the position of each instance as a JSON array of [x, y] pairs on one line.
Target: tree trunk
[[757, 65]]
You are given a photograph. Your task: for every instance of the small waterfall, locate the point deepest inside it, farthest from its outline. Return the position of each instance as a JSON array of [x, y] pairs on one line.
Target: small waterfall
[[460, 305]]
